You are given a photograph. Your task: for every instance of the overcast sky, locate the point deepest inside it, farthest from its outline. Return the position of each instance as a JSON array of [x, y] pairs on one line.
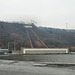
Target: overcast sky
[[47, 13]]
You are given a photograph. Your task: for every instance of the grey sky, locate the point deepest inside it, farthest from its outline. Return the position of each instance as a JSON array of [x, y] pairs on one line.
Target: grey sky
[[50, 13]]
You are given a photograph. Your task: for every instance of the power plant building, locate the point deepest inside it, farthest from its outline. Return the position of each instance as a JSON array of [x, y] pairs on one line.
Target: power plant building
[[44, 50]]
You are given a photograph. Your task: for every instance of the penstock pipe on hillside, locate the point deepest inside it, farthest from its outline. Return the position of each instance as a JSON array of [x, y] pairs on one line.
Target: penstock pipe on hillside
[[39, 39], [29, 39]]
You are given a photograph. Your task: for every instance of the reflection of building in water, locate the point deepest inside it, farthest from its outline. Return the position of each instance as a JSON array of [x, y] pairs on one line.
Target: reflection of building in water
[[44, 50]]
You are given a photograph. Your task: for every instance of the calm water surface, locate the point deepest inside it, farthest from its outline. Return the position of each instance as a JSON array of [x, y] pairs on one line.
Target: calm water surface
[[26, 66]]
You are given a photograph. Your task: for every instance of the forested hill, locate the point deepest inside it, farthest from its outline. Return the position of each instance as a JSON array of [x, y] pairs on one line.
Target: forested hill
[[10, 32]]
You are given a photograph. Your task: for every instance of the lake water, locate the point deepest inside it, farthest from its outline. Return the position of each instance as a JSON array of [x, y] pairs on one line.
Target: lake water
[[67, 58], [26, 65], [28, 68]]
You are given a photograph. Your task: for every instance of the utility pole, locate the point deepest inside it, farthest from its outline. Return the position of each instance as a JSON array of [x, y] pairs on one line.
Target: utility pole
[[14, 46], [66, 26], [60, 38], [32, 21], [54, 39], [9, 45]]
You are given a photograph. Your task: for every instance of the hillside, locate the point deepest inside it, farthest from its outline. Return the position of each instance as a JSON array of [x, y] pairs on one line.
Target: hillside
[[37, 36]]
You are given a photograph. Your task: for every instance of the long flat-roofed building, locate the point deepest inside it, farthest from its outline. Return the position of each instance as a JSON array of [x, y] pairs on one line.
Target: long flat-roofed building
[[43, 50]]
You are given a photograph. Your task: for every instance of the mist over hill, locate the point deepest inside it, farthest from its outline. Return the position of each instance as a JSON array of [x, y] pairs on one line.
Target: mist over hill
[[10, 32]]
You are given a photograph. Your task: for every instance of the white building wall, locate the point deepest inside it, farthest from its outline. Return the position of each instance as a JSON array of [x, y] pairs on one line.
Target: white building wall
[[44, 50], [28, 26]]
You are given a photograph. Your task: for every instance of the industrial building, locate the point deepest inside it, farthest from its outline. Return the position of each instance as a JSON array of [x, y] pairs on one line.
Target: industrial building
[[44, 50], [28, 26], [4, 51]]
